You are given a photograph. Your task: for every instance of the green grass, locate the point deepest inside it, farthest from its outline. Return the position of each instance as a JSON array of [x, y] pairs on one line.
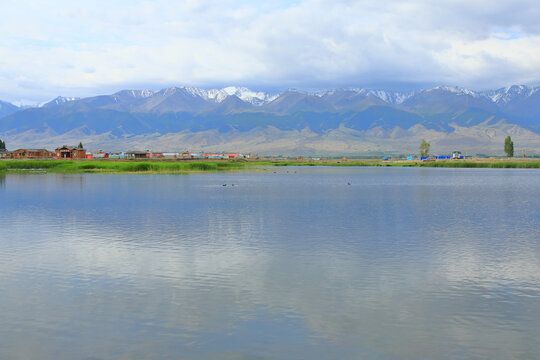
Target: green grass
[[169, 167], [484, 164], [68, 166], [509, 164], [316, 163]]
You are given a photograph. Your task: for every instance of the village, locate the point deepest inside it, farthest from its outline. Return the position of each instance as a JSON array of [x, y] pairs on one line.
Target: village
[[80, 153]]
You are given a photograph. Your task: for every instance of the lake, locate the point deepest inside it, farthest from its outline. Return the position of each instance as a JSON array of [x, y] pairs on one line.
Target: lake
[[289, 263]]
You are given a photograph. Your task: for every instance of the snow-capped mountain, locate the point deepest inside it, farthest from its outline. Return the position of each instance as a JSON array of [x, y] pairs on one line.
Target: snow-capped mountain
[[499, 96], [508, 94], [354, 114], [454, 90], [243, 93], [58, 101], [507, 98], [391, 97], [136, 94]]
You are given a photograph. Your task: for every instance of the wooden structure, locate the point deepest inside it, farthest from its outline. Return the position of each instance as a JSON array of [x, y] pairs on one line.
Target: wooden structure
[[70, 152], [30, 154], [136, 154]]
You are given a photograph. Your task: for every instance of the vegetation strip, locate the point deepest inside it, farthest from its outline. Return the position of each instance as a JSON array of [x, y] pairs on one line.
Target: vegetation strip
[[168, 167], [516, 164], [69, 166]]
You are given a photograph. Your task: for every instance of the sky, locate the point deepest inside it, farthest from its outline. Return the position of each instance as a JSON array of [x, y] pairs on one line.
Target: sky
[[85, 48]]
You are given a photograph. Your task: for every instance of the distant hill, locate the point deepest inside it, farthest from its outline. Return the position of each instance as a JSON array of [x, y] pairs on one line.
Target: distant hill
[[7, 108], [341, 121]]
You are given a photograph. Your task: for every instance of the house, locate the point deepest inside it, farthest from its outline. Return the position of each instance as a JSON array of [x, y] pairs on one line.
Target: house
[[116, 155], [154, 155], [457, 155], [171, 155], [212, 155], [3, 154], [187, 155], [100, 155], [70, 152], [134, 154], [30, 154]]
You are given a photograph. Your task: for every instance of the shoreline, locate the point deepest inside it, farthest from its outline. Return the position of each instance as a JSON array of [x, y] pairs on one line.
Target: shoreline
[[115, 167], [466, 163], [196, 166]]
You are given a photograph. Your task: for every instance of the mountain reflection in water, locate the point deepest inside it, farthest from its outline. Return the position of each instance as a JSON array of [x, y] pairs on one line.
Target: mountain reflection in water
[[401, 264]]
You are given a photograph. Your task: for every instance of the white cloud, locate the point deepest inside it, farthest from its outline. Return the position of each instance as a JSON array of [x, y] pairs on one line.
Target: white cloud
[[64, 48]]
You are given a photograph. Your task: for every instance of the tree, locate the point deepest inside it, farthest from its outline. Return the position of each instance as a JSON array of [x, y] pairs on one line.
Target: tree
[[424, 148], [80, 145], [509, 146], [2, 145]]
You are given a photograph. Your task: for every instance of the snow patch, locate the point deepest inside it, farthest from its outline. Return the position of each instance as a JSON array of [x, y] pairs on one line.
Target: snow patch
[[390, 97], [456, 90], [219, 95], [59, 100], [505, 95]]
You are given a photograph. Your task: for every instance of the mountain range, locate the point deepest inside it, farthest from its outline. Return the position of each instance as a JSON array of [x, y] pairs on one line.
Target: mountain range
[[341, 121]]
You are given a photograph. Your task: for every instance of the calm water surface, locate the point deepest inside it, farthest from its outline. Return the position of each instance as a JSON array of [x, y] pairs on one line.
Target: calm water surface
[[290, 263]]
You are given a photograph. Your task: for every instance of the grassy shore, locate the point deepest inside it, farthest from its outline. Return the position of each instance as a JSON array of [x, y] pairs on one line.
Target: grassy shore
[[469, 163], [500, 164], [158, 167], [179, 167]]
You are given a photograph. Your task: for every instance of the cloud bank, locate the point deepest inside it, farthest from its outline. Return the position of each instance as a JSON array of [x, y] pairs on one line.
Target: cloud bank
[[74, 49]]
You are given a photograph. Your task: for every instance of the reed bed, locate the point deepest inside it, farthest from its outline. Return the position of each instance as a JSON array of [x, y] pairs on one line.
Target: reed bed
[[68, 166], [484, 164], [167, 167], [500, 164]]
